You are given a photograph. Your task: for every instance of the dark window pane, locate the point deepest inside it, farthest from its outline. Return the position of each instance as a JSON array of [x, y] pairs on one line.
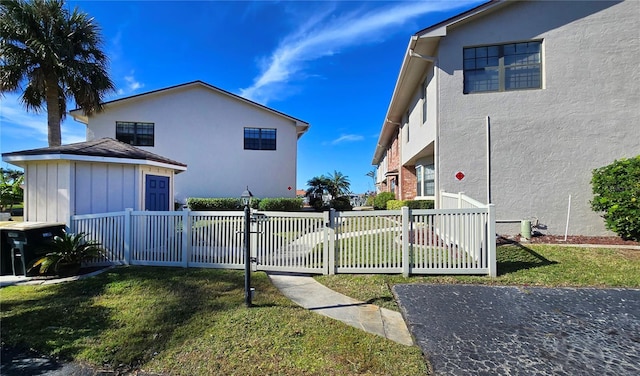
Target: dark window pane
[[259, 139], [520, 68], [133, 133]]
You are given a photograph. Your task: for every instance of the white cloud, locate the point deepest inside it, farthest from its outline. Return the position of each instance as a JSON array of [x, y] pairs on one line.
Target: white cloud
[[131, 85], [18, 123], [326, 35], [347, 138]]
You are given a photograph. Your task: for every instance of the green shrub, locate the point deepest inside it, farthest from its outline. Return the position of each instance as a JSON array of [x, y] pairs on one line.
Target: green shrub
[[380, 202], [341, 203], [616, 189], [280, 204], [214, 204], [370, 200], [411, 204]]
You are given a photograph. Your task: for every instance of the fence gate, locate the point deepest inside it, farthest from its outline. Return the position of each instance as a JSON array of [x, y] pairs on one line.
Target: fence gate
[[290, 242]]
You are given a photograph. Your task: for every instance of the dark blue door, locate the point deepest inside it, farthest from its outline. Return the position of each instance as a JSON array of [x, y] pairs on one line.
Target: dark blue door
[[157, 193]]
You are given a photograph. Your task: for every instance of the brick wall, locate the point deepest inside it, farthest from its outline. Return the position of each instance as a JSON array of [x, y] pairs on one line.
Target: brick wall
[[408, 182]]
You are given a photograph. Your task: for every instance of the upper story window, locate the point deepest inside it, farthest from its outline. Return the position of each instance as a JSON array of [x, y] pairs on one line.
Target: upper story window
[[259, 139], [135, 133], [504, 67]]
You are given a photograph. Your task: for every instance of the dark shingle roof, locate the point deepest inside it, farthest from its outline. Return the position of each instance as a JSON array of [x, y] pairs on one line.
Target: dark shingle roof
[[104, 147]]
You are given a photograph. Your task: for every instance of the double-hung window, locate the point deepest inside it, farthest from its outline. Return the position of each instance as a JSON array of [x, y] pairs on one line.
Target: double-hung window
[[504, 67], [425, 178], [135, 133], [259, 139]]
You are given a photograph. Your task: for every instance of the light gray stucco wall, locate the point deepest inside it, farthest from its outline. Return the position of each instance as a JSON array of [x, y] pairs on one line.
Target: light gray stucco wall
[[545, 143]]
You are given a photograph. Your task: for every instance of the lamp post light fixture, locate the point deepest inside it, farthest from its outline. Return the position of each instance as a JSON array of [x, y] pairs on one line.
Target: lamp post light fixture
[[246, 201]]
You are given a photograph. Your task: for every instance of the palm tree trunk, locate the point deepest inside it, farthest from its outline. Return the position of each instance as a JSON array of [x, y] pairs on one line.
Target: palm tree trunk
[[53, 112]]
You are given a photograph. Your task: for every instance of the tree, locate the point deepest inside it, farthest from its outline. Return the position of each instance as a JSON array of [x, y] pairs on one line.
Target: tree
[[372, 175], [616, 189], [338, 184], [11, 192], [55, 54]]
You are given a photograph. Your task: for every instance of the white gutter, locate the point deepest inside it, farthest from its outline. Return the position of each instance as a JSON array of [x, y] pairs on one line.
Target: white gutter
[[17, 160]]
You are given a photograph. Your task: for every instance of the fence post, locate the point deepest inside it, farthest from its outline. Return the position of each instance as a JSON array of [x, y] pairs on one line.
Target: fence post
[[331, 233], [460, 194], [491, 240], [326, 252], [72, 225], [406, 259], [127, 236], [186, 238]]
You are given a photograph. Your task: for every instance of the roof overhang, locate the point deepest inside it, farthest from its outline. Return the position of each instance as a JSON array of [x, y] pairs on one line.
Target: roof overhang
[[80, 116], [421, 53], [23, 160]]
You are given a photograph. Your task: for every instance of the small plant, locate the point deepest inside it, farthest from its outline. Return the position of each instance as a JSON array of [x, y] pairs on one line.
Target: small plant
[[67, 254], [616, 189]]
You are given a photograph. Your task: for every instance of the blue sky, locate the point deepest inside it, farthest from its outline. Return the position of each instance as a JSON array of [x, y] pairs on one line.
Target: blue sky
[[331, 64]]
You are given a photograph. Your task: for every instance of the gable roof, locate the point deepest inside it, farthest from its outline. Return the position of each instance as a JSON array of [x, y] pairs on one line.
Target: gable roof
[[101, 150], [422, 46], [301, 126]]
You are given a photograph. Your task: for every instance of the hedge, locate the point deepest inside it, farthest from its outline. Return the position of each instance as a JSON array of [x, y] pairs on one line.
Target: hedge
[[281, 204], [411, 204], [214, 204], [230, 204]]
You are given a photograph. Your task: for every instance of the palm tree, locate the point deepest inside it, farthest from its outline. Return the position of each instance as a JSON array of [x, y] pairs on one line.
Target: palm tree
[[338, 184], [317, 186], [56, 55], [372, 175]]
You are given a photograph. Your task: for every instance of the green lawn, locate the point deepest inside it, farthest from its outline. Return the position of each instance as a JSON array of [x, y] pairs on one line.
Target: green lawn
[[191, 322], [534, 265]]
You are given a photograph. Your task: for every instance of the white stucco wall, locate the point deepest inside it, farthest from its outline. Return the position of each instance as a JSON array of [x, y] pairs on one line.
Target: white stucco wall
[[545, 143], [422, 134], [205, 130]]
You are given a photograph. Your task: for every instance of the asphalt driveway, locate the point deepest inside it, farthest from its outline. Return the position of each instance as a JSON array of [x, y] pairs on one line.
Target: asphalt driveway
[[489, 330]]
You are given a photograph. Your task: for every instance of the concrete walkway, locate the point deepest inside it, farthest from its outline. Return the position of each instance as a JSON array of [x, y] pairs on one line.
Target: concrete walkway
[[310, 294]]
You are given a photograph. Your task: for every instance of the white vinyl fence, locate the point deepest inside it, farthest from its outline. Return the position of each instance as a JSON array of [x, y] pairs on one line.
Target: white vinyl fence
[[441, 241]]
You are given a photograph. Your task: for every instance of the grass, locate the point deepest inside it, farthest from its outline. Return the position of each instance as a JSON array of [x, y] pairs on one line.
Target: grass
[[191, 322], [534, 265]]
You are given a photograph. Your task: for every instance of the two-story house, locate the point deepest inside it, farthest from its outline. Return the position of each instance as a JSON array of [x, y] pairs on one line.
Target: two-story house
[[227, 141], [516, 102]]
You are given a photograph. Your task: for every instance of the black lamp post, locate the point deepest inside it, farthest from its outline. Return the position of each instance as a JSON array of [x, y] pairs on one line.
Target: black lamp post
[[246, 201]]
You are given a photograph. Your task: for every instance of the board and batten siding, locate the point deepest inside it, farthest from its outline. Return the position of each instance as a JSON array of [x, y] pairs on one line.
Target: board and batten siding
[[105, 187], [49, 190], [205, 130], [58, 189]]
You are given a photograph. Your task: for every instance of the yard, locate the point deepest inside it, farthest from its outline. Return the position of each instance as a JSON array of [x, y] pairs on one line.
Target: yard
[[192, 321]]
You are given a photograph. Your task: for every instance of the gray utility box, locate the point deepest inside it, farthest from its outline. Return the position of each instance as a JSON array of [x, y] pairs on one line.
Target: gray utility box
[[24, 242]]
